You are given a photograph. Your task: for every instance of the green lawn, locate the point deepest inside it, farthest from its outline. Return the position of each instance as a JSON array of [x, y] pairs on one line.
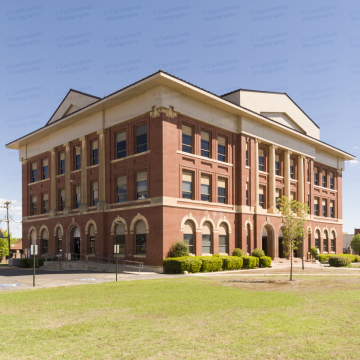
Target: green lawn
[[185, 318]]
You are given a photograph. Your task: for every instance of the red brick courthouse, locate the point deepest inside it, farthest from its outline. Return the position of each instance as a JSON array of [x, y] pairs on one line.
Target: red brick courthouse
[[162, 160]]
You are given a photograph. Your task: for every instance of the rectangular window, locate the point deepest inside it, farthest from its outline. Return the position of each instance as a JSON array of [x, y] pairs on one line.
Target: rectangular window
[[205, 188], [141, 138], [308, 203], [261, 160], [121, 145], [187, 138], [308, 170], [323, 177], [62, 199], [247, 154], [222, 244], [59, 245], [45, 203], [92, 245], [292, 169], [45, 168], [316, 175], [332, 208], [247, 194], [187, 185], [45, 245], [94, 152], [62, 163], [221, 148], [121, 187], [77, 197], [77, 158], [316, 206], [277, 164], [189, 239], [94, 193], [141, 185], [34, 205], [325, 244], [222, 191], [33, 172], [140, 244], [262, 197], [205, 144], [277, 197], [331, 180], [323, 206]]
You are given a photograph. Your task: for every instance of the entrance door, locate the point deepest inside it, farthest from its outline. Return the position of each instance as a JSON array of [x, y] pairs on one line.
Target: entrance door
[[281, 247], [77, 248], [264, 245]]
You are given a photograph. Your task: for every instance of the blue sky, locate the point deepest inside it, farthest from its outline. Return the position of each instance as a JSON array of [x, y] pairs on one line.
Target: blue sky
[[310, 50]]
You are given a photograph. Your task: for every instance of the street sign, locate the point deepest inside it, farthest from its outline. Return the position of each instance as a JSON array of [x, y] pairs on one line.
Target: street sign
[[34, 249], [116, 249]]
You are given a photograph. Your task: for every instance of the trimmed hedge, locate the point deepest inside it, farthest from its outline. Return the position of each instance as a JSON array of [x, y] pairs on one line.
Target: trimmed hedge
[[180, 264], [210, 263], [265, 261], [323, 257], [232, 263], [258, 253], [24, 263], [338, 261], [313, 252], [357, 258], [249, 262], [238, 252]]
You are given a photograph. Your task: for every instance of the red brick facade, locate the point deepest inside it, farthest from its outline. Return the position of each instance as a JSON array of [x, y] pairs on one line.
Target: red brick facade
[[164, 209]]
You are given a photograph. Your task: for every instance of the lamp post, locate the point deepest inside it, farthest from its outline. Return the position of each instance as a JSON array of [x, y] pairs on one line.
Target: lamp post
[[34, 251], [116, 251]]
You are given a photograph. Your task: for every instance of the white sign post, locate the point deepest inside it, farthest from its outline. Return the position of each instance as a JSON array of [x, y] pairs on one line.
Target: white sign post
[[116, 251], [34, 251]]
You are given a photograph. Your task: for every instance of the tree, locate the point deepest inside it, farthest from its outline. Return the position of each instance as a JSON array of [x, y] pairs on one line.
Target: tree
[[180, 248], [293, 216], [355, 243], [4, 244], [301, 210]]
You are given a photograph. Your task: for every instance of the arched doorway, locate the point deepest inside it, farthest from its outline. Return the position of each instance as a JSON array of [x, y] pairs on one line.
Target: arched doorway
[[206, 238], [248, 229], [59, 241], [325, 242], [223, 239], [120, 237], [281, 245], [91, 240], [33, 238], [267, 236], [140, 238], [44, 241], [332, 237], [75, 242]]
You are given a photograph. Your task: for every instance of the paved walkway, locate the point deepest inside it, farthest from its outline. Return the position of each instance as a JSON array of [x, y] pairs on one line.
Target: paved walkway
[[18, 278]]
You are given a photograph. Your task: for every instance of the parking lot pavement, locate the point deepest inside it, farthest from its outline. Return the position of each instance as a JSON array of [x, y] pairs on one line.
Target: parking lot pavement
[[18, 278]]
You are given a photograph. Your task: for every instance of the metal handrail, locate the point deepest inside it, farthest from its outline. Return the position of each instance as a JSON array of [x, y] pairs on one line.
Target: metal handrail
[[94, 258]]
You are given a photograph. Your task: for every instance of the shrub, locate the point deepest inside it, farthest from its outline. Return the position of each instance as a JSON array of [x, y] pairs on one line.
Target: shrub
[[355, 243], [232, 262], [313, 252], [258, 253], [357, 258], [180, 264], [238, 252], [338, 261], [249, 262], [179, 249], [210, 263], [24, 263], [265, 261], [257, 261], [323, 257]]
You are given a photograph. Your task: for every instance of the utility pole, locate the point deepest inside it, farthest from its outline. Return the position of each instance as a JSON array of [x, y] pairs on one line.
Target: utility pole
[[7, 203]]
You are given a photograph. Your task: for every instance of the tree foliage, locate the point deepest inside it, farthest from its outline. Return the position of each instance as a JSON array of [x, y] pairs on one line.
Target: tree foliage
[[4, 244], [355, 243], [179, 249]]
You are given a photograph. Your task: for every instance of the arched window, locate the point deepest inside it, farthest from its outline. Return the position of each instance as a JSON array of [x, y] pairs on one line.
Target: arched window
[[248, 238], [325, 242], [91, 239], [59, 240], [223, 239], [189, 235], [140, 240], [120, 237], [45, 241], [332, 237], [317, 239], [206, 238], [33, 237]]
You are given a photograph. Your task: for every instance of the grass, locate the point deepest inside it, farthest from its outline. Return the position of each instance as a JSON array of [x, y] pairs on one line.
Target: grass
[[185, 318]]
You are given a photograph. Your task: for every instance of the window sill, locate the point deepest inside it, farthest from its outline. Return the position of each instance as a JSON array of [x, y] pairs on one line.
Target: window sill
[[140, 256], [203, 158], [74, 171], [279, 176], [60, 175], [247, 167], [37, 182], [130, 156], [324, 188], [263, 172], [204, 202], [92, 166]]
